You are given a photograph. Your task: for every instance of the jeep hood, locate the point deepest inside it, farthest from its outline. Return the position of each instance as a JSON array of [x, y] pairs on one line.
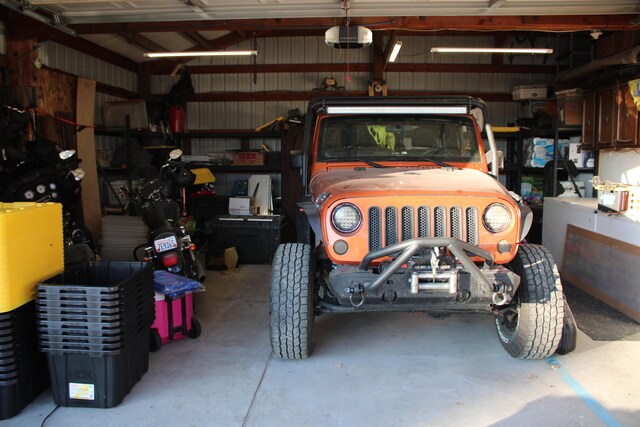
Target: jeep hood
[[395, 181]]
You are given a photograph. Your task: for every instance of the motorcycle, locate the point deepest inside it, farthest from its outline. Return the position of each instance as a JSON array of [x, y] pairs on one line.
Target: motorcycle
[[49, 174], [169, 247]]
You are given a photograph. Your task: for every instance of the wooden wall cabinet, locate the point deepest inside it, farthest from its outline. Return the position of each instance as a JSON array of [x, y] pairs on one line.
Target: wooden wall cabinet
[[589, 115], [617, 118], [606, 117]]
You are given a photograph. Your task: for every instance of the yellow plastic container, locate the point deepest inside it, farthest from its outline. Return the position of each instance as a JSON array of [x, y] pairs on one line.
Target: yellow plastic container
[[31, 249]]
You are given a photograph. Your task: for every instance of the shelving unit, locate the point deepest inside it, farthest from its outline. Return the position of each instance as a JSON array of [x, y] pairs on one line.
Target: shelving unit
[[183, 140]]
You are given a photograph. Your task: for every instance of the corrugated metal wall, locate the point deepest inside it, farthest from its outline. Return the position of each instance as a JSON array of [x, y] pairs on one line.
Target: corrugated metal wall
[[305, 50], [63, 58], [308, 50]]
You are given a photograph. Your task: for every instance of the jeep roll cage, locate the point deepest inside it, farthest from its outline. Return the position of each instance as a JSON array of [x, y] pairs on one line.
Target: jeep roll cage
[[386, 105]]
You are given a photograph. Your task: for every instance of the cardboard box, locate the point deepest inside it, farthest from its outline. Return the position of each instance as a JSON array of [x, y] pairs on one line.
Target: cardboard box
[[249, 158], [241, 206], [571, 112], [115, 113], [523, 92]]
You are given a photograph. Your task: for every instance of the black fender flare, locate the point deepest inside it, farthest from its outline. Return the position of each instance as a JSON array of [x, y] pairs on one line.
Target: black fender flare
[[312, 213]]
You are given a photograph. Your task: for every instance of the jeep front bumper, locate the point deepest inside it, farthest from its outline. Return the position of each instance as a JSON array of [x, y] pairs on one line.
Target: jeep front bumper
[[424, 274]]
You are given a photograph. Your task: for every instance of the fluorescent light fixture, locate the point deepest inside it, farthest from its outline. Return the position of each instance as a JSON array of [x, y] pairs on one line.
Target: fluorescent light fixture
[[490, 50], [203, 53], [336, 109], [395, 51]]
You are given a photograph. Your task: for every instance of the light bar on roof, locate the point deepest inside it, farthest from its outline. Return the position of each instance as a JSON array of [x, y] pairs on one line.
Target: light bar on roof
[[338, 109]]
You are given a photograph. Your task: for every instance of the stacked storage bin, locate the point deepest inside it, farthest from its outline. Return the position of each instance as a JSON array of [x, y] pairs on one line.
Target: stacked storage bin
[[23, 369], [93, 324], [31, 250]]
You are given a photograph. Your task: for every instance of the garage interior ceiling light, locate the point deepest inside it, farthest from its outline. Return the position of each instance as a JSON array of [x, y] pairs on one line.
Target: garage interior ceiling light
[[202, 53], [491, 50], [395, 51], [333, 109]]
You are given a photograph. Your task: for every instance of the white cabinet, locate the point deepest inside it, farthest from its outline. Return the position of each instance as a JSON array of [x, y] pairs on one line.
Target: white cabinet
[[558, 212], [583, 213]]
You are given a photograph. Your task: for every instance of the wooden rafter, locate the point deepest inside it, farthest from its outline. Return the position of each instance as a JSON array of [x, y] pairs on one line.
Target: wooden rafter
[[365, 67], [308, 95], [143, 42], [20, 26], [196, 38]]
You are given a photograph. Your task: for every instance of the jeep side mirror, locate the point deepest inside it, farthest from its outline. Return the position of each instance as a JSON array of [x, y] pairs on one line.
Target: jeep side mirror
[[296, 159]]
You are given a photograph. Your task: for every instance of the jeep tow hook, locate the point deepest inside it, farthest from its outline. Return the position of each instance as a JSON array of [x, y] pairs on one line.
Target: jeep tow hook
[[355, 292]]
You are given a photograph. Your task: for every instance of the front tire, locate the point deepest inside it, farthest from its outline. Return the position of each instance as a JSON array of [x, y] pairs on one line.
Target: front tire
[[291, 302], [531, 327]]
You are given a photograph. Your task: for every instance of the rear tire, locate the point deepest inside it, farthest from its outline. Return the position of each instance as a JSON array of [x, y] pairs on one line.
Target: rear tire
[[531, 327], [291, 302]]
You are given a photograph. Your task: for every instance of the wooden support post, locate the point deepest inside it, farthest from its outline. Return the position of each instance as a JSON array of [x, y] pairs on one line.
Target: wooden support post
[[20, 57], [378, 56], [85, 100]]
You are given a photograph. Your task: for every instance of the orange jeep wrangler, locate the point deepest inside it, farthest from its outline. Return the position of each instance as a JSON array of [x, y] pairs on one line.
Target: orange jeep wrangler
[[404, 212]]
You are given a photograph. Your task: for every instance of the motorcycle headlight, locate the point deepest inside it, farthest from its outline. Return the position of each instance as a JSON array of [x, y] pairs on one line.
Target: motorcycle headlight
[[496, 217], [346, 218]]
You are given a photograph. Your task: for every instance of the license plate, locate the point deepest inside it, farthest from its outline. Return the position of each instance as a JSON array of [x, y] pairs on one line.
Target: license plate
[[166, 244]]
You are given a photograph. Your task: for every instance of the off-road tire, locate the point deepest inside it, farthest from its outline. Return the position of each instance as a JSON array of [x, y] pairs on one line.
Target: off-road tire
[[291, 302], [532, 329]]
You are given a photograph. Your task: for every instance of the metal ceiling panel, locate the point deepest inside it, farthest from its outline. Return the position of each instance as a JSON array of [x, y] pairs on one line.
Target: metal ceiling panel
[[170, 41]]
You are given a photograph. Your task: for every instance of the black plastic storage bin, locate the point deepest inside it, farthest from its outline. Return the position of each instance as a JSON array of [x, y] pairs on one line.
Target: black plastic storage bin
[[23, 369], [255, 237], [94, 325], [98, 379]]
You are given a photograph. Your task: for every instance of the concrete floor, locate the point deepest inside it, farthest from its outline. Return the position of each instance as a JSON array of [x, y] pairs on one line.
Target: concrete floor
[[367, 369]]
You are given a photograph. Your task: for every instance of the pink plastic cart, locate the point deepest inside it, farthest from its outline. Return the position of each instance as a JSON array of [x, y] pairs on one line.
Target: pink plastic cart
[[174, 320]]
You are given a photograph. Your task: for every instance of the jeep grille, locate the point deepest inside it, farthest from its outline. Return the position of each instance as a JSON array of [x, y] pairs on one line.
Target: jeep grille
[[457, 222]]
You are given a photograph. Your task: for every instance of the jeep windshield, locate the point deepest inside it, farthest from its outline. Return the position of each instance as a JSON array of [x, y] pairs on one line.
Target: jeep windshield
[[411, 138]]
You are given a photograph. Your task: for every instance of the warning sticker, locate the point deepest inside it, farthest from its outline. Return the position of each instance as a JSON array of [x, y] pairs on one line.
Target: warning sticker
[[82, 391]]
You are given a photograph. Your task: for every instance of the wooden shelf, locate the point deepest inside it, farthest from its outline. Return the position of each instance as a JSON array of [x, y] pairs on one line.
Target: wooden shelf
[[134, 133]]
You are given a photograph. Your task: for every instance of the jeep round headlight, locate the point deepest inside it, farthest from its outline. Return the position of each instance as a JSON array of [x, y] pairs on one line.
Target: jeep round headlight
[[496, 217], [346, 218]]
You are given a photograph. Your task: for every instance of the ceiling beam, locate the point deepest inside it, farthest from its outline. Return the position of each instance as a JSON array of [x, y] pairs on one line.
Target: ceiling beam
[[419, 23], [195, 37], [100, 87], [378, 53], [308, 95], [21, 27], [366, 67], [92, 49], [143, 42]]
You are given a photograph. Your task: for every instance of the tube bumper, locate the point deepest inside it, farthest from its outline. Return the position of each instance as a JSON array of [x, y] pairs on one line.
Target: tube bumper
[[416, 278]]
